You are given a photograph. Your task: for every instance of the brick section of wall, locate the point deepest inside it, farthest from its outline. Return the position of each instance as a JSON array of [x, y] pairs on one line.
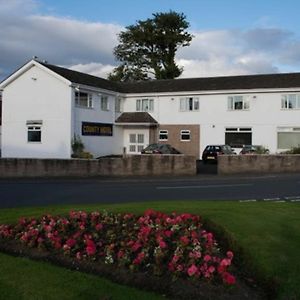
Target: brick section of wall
[[191, 147], [153, 135], [135, 165], [258, 164]]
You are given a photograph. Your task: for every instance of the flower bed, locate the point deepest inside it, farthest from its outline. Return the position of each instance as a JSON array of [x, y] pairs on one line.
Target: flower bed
[[154, 243]]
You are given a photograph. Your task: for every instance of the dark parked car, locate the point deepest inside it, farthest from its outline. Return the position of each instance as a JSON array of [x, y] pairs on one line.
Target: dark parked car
[[211, 152], [160, 149], [254, 149]]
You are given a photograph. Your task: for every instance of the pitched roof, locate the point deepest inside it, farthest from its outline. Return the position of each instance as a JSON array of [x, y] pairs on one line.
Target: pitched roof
[[280, 80], [136, 117], [82, 78], [286, 80]]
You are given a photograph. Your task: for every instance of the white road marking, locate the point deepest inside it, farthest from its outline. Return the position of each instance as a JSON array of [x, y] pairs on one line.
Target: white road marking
[[271, 199], [292, 197], [201, 186], [280, 201], [249, 200], [295, 200]]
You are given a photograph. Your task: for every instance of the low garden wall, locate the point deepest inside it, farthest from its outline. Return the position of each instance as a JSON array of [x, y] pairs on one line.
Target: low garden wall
[[136, 165], [255, 164]]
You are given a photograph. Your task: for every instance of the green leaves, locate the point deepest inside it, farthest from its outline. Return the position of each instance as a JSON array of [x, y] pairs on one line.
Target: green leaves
[[147, 49]]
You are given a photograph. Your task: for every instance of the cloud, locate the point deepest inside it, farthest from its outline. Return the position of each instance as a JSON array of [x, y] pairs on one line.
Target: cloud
[[236, 52], [96, 69], [88, 46], [58, 40]]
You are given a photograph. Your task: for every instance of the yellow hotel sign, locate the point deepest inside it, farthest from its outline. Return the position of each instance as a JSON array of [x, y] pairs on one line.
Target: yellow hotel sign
[[96, 129]]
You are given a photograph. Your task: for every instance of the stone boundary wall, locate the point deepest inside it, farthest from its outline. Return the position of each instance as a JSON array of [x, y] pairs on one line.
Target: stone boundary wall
[[258, 164], [136, 165]]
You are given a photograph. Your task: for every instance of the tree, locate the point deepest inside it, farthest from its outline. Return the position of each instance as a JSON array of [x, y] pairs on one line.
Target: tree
[[148, 48]]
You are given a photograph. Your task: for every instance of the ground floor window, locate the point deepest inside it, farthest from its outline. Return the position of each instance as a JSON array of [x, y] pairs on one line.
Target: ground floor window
[[185, 135], [288, 137], [237, 137], [34, 131]]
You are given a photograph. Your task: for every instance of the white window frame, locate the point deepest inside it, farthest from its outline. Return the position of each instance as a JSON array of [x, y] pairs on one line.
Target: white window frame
[[189, 104], [104, 103], [162, 133], [118, 104], [233, 103], [289, 130], [183, 133], [145, 105], [78, 101], [290, 101], [34, 126]]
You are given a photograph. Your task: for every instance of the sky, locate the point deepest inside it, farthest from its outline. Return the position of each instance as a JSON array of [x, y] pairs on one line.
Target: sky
[[231, 37]]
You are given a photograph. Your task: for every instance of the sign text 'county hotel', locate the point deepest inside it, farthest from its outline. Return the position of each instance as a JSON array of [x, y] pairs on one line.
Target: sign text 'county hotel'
[[96, 129]]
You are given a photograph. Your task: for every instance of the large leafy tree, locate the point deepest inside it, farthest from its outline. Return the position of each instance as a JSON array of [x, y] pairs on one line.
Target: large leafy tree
[[147, 49]]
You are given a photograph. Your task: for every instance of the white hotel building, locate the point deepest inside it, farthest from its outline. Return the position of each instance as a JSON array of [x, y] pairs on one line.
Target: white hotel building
[[44, 106]]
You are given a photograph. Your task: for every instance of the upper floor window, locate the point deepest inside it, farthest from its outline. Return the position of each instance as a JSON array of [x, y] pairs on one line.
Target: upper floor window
[[83, 99], [118, 104], [290, 101], [189, 104], [238, 103], [104, 103], [163, 135], [144, 105]]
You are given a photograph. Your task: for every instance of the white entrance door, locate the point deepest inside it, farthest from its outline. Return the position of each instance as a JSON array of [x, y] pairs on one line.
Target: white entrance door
[[135, 140]]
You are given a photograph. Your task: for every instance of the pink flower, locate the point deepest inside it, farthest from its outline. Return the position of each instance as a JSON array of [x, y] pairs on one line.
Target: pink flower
[[185, 240], [139, 258], [70, 243], [229, 254], [228, 278], [120, 254], [192, 270], [225, 262], [136, 246], [207, 258], [162, 244], [99, 227], [90, 247], [211, 269]]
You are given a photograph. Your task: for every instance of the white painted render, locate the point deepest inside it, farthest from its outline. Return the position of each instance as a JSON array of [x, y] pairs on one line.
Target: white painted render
[[264, 115], [97, 145], [36, 93]]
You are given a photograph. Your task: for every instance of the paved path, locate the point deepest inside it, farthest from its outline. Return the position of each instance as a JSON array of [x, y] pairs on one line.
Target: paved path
[[28, 192]]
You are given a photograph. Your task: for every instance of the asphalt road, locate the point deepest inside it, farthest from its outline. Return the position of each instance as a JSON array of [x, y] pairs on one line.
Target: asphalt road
[[25, 192]]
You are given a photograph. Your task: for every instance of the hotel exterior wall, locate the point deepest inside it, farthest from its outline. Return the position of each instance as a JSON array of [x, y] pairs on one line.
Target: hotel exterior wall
[[190, 147], [98, 145], [264, 116], [36, 95]]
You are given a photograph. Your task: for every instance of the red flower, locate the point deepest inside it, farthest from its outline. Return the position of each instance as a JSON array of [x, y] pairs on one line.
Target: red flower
[[229, 254], [99, 227], [185, 240], [90, 247], [207, 258], [70, 243], [192, 270], [228, 278]]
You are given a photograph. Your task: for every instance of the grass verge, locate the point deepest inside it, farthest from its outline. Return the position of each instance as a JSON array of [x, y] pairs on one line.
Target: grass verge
[[267, 234]]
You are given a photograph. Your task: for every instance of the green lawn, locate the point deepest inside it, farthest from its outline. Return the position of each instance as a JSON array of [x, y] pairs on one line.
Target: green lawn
[[268, 234]]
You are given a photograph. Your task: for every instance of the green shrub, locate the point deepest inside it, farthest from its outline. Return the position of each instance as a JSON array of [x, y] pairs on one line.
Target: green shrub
[[78, 149], [294, 150]]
